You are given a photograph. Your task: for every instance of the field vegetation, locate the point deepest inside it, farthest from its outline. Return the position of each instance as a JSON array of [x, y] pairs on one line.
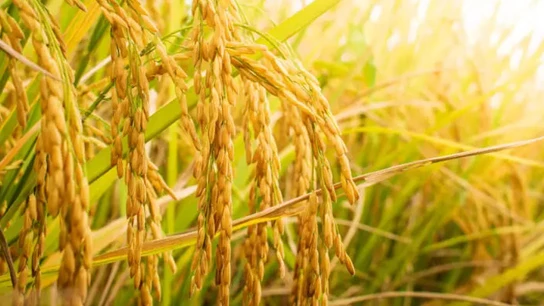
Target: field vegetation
[[257, 152]]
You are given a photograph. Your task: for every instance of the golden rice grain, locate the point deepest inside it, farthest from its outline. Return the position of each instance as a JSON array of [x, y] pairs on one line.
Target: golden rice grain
[[13, 36], [139, 56], [264, 189], [132, 30], [308, 116], [77, 3], [59, 163]]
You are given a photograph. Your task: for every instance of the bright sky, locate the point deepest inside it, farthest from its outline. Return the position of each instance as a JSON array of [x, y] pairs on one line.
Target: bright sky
[[524, 15]]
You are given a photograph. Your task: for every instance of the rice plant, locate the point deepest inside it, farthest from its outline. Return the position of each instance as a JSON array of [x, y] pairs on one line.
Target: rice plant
[[268, 152]]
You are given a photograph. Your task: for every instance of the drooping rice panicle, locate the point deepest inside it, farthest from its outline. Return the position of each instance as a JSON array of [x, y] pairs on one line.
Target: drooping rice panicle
[[62, 186]]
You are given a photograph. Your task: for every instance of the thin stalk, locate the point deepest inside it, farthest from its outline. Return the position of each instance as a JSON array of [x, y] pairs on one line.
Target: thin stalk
[[171, 177]]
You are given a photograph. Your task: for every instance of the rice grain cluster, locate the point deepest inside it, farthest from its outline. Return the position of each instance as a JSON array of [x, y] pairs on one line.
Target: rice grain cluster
[[231, 73]]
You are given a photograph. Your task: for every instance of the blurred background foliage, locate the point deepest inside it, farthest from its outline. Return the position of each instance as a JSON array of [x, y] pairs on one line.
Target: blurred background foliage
[[414, 79]]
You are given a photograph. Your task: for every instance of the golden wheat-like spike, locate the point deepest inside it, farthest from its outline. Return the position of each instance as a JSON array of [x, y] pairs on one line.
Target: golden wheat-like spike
[[214, 160], [177, 75], [77, 4], [13, 35], [301, 174], [132, 30], [25, 243], [264, 189], [61, 182], [130, 122], [294, 85], [155, 14]]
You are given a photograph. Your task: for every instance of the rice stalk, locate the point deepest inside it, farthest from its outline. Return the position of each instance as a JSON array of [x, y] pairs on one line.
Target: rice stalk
[[131, 109], [213, 165], [255, 99], [13, 35], [265, 191], [62, 187]]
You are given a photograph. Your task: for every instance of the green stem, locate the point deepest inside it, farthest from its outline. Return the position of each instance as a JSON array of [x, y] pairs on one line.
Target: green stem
[[171, 177]]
